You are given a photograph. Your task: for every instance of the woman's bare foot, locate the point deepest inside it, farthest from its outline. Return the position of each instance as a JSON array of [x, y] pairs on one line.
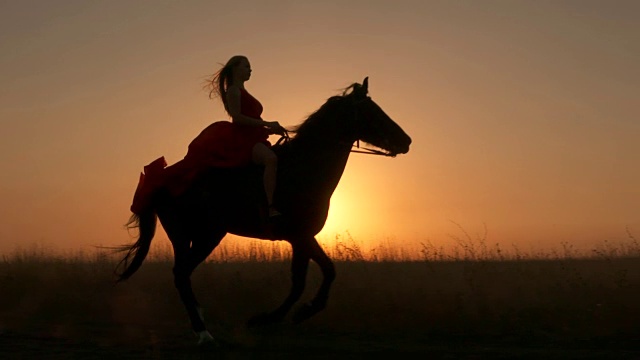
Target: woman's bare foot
[[273, 212]]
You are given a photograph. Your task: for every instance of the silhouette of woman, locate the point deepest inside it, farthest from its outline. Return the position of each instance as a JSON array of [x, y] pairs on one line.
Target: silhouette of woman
[[245, 138], [239, 142]]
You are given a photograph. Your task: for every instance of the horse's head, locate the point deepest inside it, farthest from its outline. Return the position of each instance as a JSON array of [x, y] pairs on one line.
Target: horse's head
[[373, 126]]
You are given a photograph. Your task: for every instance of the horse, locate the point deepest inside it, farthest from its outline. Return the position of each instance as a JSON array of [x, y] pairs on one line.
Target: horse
[[232, 200]]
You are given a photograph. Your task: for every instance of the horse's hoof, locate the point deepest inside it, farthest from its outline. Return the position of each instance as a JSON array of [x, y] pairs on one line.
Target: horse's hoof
[[206, 340], [306, 311], [264, 319]]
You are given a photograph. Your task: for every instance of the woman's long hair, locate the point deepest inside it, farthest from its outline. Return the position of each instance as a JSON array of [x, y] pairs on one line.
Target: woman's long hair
[[218, 83]]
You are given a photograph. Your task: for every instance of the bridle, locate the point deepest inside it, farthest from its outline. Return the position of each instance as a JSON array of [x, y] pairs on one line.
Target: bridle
[[285, 138], [369, 151]]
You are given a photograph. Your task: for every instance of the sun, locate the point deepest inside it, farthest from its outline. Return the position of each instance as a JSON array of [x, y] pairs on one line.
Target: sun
[[349, 212], [340, 217]]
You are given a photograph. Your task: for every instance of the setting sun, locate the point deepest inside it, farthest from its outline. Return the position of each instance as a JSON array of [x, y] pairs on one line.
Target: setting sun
[[348, 212]]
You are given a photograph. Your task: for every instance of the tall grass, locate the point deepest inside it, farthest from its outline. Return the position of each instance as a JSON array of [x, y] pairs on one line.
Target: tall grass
[[471, 288], [344, 247]]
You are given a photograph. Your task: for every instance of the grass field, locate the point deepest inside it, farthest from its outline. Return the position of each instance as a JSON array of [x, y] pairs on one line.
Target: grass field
[[471, 301]]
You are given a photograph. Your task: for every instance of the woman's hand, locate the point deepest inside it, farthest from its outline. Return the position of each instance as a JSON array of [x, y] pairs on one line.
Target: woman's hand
[[275, 127]]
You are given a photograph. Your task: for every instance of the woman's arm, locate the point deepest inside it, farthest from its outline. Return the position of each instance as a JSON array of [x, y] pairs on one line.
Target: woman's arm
[[233, 102]]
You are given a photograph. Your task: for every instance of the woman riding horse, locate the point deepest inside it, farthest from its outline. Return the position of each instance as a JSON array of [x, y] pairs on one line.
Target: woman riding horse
[[216, 202]]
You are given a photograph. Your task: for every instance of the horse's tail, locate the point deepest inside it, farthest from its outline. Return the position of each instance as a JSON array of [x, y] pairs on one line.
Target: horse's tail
[[144, 218], [136, 253]]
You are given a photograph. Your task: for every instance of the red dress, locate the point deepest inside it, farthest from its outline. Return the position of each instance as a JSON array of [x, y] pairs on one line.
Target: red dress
[[221, 144], [226, 144]]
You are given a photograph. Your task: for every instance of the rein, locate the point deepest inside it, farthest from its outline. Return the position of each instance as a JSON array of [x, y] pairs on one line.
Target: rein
[[284, 138], [369, 151]]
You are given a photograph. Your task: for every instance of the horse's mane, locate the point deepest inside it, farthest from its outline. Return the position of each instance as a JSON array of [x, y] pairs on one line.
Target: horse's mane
[[309, 126]]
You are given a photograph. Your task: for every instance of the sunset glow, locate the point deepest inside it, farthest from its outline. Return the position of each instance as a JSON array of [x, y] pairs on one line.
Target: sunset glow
[[523, 114]]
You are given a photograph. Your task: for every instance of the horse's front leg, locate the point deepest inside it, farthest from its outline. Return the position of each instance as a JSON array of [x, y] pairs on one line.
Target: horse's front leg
[[319, 302], [299, 267]]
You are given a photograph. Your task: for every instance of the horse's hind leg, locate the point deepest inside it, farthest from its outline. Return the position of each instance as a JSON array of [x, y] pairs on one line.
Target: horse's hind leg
[[187, 258]]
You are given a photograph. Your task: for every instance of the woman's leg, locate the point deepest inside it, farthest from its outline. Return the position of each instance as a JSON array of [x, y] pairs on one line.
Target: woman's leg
[[262, 155]]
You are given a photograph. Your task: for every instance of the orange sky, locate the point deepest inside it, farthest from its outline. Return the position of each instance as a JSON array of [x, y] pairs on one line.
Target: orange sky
[[523, 114]]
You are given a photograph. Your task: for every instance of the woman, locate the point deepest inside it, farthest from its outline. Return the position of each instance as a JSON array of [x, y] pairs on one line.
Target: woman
[[222, 144], [245, 139]]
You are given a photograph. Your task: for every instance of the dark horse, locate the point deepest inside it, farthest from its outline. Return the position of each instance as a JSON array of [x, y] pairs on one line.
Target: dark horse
[[224, 200]]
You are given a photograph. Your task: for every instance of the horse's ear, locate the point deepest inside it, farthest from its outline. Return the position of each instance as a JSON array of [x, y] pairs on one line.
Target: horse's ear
[[365, 85]]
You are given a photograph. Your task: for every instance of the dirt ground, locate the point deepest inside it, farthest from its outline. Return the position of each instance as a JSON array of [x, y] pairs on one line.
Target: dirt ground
[[295, 342]]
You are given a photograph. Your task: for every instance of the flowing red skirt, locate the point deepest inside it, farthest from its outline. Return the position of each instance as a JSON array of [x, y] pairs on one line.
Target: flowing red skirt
[[221, 144], [225, 144]]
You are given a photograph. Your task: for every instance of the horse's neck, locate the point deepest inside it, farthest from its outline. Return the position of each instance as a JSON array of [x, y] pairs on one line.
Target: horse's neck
[[320, 164], [329, 165]]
